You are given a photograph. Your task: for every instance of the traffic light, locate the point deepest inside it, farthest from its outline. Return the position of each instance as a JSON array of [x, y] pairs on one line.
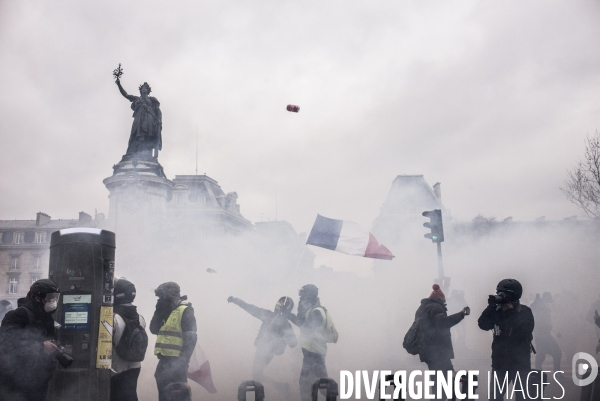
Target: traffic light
[[435, 224], [445, 283]]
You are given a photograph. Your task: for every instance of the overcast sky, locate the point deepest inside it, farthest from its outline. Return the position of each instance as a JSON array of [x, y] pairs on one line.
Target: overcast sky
[[491, 98]]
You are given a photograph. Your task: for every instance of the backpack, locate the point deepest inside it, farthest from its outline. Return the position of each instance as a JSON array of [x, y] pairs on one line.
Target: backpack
[[414, 342], [330, 334], [134, 341]]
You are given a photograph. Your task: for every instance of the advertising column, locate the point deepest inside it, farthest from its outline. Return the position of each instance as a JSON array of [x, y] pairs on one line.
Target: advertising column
[[82, 263]]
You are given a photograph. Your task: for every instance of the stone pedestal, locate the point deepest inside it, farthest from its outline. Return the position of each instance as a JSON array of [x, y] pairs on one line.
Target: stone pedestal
[[139, 192]]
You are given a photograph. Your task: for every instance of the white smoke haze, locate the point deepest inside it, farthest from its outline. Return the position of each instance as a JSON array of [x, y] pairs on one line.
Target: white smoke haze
[[372, 312], [491, 99]]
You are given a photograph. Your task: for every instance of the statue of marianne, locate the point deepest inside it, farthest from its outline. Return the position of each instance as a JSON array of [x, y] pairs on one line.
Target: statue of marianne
[[146, 130]]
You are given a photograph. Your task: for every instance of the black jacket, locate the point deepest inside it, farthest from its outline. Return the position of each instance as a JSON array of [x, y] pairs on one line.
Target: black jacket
[[22, 357], [512, 330], [435, 327], [275, 333]]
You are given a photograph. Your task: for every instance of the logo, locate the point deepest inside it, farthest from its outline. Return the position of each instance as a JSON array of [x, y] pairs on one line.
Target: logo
[[588, 370]]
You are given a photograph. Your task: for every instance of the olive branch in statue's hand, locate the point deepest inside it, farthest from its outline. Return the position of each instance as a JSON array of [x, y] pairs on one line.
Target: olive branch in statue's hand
[[117, 72]]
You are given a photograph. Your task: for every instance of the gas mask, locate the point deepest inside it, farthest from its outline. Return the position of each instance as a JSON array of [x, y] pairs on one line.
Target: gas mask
[[51, 302]]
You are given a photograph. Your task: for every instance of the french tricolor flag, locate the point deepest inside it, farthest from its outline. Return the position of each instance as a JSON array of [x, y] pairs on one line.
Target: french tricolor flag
[[199, 370], [346, 237]]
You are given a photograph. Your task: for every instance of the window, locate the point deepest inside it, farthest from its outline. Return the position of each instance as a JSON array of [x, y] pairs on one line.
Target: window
[[14, 263], [13, 285], [34, 279], [19, 238], [202, 200], [180, 199], [37, 262], [40, 237]]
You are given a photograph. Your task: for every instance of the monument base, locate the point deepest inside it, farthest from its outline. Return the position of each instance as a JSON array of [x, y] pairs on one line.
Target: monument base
[[139, 192], [141, 162]]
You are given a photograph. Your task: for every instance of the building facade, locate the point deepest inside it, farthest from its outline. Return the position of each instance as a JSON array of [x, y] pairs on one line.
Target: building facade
[[199, 208], [25, 250]]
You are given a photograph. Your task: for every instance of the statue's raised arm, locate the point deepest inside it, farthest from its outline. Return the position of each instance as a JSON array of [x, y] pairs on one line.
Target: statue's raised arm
[[131, 98]]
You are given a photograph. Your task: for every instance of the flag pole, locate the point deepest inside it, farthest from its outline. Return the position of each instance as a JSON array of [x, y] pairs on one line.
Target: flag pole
[[291, 282], [294, 276]]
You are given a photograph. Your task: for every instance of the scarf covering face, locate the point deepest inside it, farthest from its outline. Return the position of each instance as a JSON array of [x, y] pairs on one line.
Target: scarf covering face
[[128, 311]]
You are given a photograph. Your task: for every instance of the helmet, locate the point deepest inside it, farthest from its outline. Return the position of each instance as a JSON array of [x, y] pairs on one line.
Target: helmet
[[511, 288], [43, 287], [167, 289], [285, 303], [124, 291], [309, 291]]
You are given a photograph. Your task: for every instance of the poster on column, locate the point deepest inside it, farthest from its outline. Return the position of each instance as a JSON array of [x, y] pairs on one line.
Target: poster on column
[[104, 354]]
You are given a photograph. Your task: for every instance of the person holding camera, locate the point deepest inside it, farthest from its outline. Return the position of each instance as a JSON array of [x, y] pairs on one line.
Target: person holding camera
[[175, 326], [28, 346], [512, 325]]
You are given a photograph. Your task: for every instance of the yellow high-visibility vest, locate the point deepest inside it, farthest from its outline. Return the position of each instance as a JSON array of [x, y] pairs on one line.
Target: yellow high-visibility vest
[[314, 341], [169, 341]]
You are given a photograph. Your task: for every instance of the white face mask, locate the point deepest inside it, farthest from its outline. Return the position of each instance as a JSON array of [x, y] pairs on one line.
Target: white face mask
[[51, 306]]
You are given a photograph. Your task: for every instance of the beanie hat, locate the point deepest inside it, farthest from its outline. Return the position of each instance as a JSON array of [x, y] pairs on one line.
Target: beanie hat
[[42, 287], [437, 293], [168, 288], [124, 291]]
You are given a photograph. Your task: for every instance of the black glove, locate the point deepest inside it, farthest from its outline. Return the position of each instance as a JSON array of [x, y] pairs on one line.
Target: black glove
[[163, 308], [233, 300], [163, 304], [492, 300], [302, 309]]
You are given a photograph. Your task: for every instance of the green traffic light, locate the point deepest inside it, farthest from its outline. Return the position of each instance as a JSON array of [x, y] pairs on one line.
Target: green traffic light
[[434, 237]]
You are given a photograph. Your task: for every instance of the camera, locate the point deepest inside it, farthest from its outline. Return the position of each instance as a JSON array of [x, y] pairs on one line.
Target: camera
[[62, 357], [497, 299]]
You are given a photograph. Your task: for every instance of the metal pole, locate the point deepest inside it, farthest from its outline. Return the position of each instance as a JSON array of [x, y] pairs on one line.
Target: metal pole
[[440, 262]]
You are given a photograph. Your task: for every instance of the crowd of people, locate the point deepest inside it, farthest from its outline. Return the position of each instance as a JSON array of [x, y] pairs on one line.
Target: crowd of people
[[29, 350], [316, 330]]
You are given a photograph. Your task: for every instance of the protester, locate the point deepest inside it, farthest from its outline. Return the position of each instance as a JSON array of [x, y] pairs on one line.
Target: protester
[[545, 344], [5, 307], [175, 326], [597, 321], [129, 343], [28, 349], [512, 325], [274, 336], [435, 329], [316, 330], [591, 314]]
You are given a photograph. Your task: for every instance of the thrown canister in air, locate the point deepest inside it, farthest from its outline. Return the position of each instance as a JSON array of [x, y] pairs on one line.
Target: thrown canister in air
[[293, 108]]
